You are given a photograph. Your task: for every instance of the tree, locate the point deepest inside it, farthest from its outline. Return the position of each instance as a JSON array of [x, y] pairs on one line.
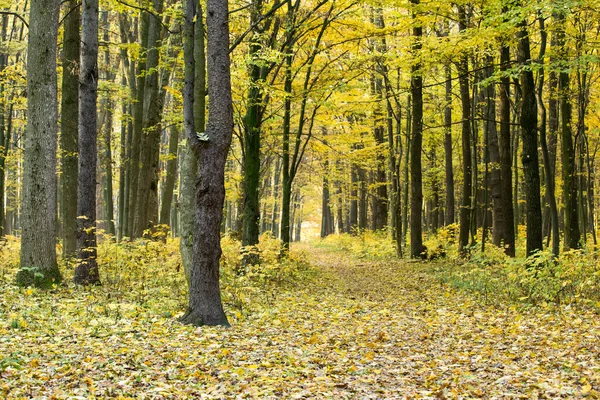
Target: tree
[[69, 128], [205, 306], [466, 207], [189, 166], [416, 148], [572, 232], [528, 122], [504, 142], [86, 271], [38, 247], [146, 211]]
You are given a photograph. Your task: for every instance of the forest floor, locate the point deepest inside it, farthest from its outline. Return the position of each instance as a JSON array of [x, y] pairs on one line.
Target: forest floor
[[352, 329]]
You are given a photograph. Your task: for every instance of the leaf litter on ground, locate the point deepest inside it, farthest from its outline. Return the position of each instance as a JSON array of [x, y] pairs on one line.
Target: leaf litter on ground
[[350, 330]]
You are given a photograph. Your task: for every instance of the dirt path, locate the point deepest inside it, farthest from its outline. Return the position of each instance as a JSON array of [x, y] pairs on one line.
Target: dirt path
[[417, 338]]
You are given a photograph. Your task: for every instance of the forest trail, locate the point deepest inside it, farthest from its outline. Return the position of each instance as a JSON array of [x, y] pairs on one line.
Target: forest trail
[[416, 337], [355, 329]]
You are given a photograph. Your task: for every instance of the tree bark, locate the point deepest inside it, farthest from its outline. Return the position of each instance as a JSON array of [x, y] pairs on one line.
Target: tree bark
[[450, 202], [465, 211], [38, 247], [86, 271], [205, 306], [504, 142], [189, 166], [416, 180], [572, 233], [528, 122], [69, 126], [147, 189], [494, 159], [548, 172], [169, 185]]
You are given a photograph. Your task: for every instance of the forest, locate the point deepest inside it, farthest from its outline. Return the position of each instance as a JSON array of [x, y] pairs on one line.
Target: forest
[[294, 199]]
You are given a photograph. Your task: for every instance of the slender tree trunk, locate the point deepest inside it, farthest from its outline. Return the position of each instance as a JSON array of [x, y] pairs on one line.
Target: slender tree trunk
[[127, 144], [147, 189], [380, 199], [276, 190], [69, 126], [407, 170], [572, 233], [286, 187], [504, 142], [325, 206], [465, 211], [528, 122], [362, 200], [107, 106], [494, 158], [353, 197], [138, 125], [169, 186], [416, 181], [38, 247], [205, 306], [86, 271], [3, 146], [189, 166], [450, 202], [548, 172]]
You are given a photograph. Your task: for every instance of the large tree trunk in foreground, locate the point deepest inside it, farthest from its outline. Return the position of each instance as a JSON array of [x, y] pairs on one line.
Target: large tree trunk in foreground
[[87, 263], [205, 306], [38, 246]]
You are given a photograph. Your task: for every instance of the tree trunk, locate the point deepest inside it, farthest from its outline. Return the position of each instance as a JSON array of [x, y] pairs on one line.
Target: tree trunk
[[86, 271], [465, 211], [138, 125], [494, 159], [450, 203], [3, 146], [353, 197], [572, 233], [504, 142], [38, 247], [108, 128], [276, 190], [189, 166], [69, 126], [548, 172], [528, 122], [205, 306], [416, 180], [169, 185], [147, 187], [325, 206], [380, 199]]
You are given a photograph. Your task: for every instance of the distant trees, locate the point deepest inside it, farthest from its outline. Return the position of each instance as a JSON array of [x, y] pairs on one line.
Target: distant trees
[[400, 119]]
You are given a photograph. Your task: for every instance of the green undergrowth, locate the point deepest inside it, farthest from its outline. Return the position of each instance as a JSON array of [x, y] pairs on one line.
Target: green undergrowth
[[572, 279], [142, 281]]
